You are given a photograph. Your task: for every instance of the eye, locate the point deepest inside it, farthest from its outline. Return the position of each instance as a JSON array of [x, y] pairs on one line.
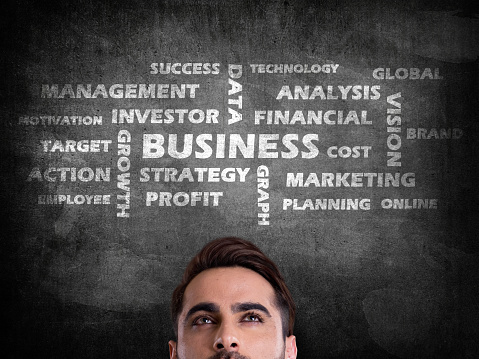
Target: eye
[[202, 321], [252, 317]]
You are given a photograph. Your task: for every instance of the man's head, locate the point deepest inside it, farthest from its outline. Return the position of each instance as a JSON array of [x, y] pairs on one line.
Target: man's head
[[232, 302]]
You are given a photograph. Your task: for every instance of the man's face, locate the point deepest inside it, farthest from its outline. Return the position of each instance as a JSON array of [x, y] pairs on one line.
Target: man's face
[[230, 313]]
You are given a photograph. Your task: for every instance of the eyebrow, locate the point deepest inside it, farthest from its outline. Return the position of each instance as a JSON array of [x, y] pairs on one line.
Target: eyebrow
[[202, 307], [244, 307], [235, 308]]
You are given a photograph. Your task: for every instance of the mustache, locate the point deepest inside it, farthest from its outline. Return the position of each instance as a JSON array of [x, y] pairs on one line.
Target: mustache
[[228, 355]]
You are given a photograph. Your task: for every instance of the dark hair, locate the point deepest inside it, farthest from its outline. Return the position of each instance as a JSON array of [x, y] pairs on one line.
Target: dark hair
[[236, 252]]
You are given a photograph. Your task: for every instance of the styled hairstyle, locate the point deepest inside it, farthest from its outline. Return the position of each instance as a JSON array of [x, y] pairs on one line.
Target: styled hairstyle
[[236, 252]]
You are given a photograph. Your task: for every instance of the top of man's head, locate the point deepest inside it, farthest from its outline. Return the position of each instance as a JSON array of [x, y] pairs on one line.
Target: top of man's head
[[236, 252]]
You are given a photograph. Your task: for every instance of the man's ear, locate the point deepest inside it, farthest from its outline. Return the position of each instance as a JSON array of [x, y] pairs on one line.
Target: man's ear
[[172, 346], [291, 351]]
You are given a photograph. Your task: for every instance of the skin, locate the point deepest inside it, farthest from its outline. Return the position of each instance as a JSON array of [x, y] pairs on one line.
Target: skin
[[230, 313]]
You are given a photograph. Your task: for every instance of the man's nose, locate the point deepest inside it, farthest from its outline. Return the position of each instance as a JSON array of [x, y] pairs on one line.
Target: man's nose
[[227, 338]]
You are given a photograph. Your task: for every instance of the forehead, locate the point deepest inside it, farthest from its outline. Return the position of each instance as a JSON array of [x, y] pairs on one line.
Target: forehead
[[226, 286]]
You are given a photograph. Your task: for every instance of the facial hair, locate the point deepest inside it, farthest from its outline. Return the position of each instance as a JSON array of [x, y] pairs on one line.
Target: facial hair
[[223, 354], [228, 355]]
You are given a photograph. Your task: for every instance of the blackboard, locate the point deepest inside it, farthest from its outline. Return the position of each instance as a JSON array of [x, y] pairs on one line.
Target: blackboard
[[338, 136]]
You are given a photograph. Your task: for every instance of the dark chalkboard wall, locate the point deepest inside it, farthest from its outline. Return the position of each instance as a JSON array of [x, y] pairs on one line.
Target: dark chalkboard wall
[[375, 278]]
